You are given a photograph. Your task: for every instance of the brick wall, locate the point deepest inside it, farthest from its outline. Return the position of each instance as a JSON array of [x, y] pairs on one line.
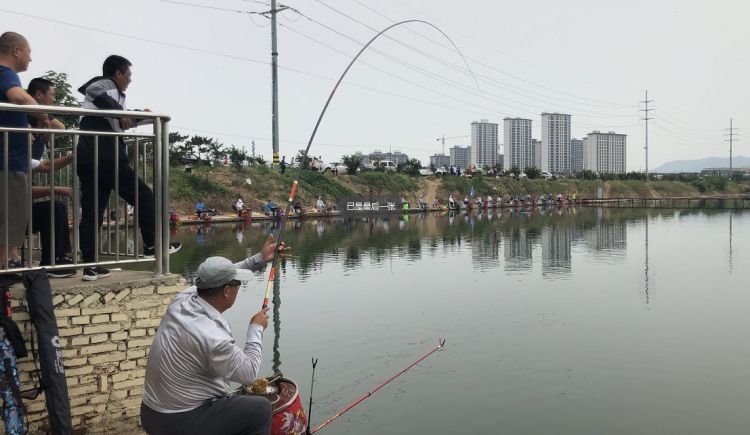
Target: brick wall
[[105, 334]]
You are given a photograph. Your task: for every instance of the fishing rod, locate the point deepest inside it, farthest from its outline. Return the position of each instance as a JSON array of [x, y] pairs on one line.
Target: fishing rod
[[441, 343], [280, 237]]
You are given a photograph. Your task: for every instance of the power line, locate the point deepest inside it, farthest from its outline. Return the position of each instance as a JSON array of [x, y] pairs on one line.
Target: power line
[[418, 69], [242, 58], [194, 5], [445, 81], [137, 38], [501, 85], [495, 49], [308, 37], [605, 103]]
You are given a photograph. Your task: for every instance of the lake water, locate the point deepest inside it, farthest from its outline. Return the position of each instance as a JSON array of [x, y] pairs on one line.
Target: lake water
[[584, 321]]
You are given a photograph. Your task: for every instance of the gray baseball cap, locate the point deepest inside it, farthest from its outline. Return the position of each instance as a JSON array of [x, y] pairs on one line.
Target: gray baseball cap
[[218, 271]]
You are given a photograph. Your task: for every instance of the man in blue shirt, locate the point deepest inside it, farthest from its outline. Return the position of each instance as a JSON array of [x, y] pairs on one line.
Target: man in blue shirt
[[15, 56]]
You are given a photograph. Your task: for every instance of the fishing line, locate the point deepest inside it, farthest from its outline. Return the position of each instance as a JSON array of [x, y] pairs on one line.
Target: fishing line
[[280, 237]]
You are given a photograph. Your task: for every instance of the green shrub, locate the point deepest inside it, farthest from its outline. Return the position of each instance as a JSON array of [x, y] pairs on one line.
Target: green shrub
[[194, 186], [386, 181], [320, 184]]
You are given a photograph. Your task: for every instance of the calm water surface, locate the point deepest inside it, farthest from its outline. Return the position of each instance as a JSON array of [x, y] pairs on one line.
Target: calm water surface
[[583, 321]]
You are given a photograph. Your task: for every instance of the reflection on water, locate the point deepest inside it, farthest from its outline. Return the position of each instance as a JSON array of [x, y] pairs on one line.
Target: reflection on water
[[569, 321], [517, 233]]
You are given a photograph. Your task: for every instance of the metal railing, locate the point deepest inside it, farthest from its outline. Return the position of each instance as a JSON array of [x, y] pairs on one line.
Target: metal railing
[[145, 152]]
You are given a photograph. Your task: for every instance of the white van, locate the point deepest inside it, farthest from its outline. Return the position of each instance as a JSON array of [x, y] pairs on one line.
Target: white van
[[387, 165]]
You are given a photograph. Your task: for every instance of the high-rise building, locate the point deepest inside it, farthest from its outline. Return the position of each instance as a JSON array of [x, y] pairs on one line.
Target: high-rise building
[[440, 160], [483, 143], [536, 151], [460, 156], [556, 143], [605, 152], [518, 145], [576, 155]]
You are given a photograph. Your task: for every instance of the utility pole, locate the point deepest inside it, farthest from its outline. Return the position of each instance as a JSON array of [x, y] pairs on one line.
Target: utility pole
[[731, 139], [274, 82], [646, 118], [253, 148]]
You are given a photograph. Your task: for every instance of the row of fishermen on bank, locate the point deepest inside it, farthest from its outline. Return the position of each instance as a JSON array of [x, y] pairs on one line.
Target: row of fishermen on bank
[[104, 92]]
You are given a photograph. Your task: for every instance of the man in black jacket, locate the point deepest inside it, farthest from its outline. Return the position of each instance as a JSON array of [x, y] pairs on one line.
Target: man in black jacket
[[108, 93]]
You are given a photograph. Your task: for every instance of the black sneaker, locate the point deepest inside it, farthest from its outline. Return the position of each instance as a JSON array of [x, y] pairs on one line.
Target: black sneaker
[[174, 247], [148, 252], [62, 273], [94, 273]]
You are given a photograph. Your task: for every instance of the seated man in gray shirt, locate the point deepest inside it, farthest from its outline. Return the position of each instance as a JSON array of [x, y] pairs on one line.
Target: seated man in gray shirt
[[194, 357]]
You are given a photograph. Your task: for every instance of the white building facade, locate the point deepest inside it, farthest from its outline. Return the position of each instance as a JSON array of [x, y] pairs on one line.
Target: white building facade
[[483, 144], [519, 152], [536, 148], [556, 143], [605, 152]]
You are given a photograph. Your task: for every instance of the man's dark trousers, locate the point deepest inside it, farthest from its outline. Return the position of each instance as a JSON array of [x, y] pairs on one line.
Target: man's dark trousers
[[41, 223], [127, 183]]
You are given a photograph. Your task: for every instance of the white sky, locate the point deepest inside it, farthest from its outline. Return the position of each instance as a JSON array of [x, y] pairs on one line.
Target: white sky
[[590, 58]]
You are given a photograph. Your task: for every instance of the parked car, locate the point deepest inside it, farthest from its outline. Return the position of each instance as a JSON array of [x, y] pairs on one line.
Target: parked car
[[425, 172], [546, 175], [189, 158], [337, 167], [387, 165], [441, 171], [366, 166]]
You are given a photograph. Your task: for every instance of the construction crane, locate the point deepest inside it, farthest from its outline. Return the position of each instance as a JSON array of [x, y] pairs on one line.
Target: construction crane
[[443, 138]]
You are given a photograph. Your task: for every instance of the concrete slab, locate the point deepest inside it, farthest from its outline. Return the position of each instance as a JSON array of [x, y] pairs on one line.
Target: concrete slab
[[119, 279]]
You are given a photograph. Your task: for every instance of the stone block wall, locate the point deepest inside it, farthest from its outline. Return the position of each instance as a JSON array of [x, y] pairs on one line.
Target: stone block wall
[[105, 332]]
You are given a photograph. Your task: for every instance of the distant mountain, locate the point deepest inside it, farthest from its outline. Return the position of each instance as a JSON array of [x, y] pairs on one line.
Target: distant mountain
[[698, 165]]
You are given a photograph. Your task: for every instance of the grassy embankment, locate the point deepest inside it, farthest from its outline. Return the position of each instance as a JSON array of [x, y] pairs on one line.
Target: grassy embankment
[[220, 187]]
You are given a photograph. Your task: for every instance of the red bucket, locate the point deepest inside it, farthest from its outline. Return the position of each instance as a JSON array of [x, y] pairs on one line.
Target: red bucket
[[288, 414]]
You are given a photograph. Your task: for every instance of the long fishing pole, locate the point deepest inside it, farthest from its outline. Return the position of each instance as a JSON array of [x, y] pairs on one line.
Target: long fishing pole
[[441, 343], [280, 237]]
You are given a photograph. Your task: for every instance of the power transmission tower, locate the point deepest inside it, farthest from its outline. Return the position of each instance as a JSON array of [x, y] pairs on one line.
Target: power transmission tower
[[646, 118], [253, 148], [274, 82], [731, 139]]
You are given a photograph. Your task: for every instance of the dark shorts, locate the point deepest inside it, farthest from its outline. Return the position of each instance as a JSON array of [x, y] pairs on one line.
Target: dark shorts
[[240, 415]]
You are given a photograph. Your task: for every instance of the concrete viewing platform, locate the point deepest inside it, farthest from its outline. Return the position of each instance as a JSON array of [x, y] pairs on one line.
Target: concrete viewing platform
[[106, 328]]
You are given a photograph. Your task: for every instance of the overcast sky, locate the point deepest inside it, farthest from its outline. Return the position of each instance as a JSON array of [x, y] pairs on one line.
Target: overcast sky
[[590, 58]]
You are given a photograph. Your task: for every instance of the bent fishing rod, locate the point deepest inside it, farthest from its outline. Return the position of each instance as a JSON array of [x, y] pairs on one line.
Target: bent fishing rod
[[295, 184], [441, 343]]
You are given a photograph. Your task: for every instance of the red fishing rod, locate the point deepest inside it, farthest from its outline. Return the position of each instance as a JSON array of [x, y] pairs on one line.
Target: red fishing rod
[[441, 343]]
